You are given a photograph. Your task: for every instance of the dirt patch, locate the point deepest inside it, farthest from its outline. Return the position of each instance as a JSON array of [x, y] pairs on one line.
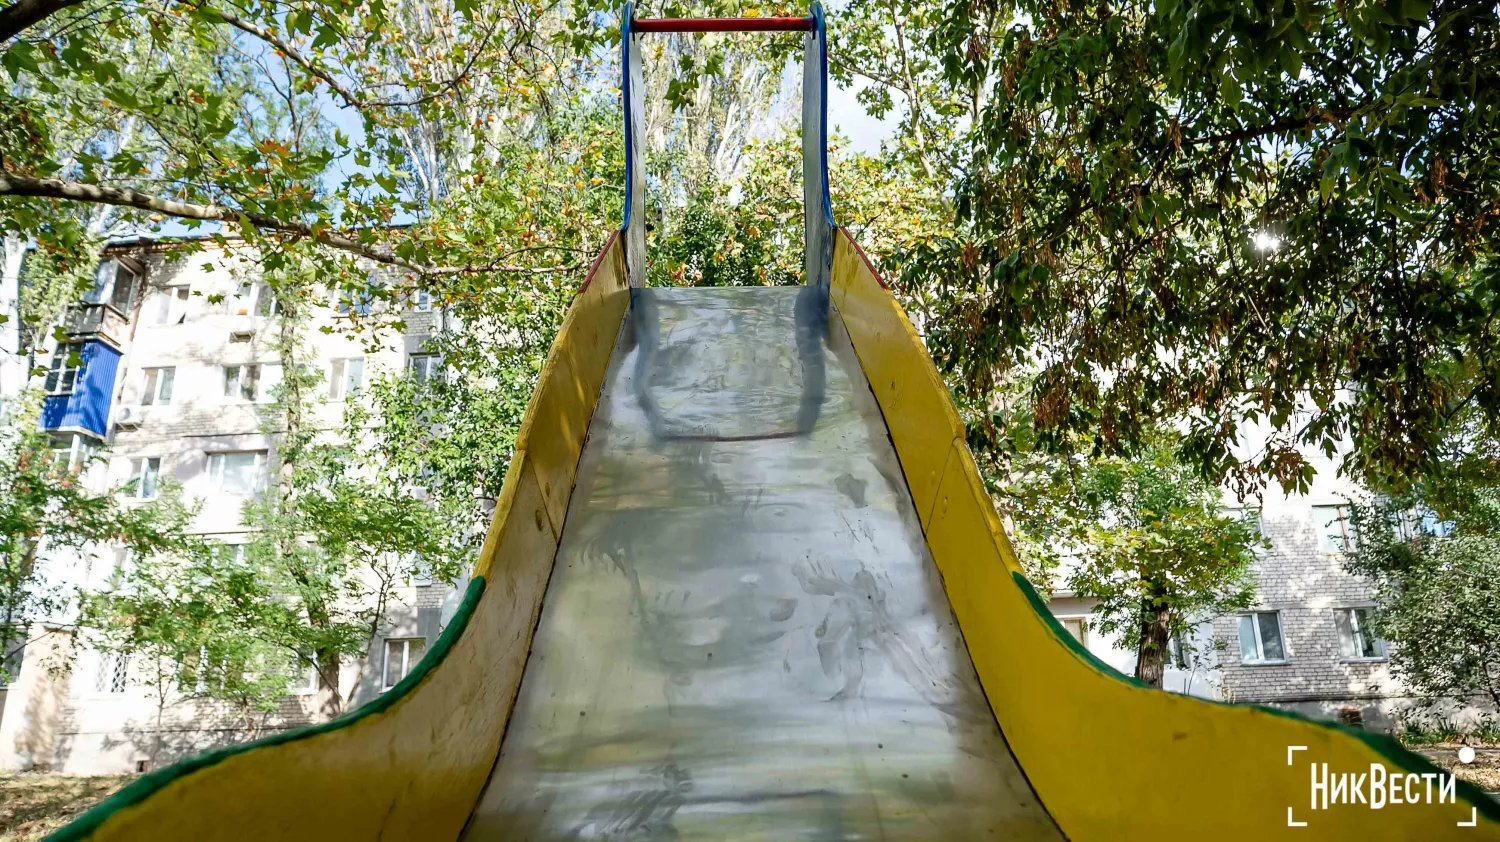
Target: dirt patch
[[1484, 772], [34, 804]]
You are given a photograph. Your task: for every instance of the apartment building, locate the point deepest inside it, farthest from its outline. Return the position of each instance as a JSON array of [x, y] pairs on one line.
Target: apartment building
[[1308, 644], [175, 373]]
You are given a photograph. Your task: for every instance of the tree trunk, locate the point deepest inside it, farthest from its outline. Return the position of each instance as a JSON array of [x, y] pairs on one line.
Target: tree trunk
[[1151, 657], [330, 703]]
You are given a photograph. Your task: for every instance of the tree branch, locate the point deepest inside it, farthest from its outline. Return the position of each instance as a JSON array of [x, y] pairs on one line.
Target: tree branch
[[350, 98], [54, 188], [24, 13]]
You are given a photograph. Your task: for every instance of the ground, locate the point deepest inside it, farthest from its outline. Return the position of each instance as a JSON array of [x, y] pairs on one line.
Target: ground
[[1484, 772], [34, 804]]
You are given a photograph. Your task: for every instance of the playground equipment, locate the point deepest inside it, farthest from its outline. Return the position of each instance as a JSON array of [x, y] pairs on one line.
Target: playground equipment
[[744, 581]]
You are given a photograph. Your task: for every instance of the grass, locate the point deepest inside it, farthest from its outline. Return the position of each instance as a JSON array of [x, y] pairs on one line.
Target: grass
[[33, 804]]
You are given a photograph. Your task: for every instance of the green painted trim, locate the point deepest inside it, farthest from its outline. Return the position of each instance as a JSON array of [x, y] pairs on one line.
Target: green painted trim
[[1384, 746], [151, 783]]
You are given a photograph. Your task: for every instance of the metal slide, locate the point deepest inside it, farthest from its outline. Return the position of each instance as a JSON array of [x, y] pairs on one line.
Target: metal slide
[[744, 582], [745, 635]]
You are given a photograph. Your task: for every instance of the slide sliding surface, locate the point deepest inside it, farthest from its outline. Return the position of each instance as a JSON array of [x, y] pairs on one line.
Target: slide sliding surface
[[744, 636]]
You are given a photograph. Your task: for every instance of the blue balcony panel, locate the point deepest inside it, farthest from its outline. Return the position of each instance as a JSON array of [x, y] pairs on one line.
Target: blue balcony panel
[[87, 408]]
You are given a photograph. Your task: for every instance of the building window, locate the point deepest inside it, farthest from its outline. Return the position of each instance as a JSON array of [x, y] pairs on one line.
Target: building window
[[1335, 529], [67, 365], [425, 367], [157, 390], [74, 452], [114, 669], [422, 301], [145, 474], [1357, 639], [400, 657], [1260, 638], [345, 377], [168, 306], [237, 473], [10, 662], [1078, 627], [304, 676], [114, 284], [242, 382], [257, 298], [1177, 651]]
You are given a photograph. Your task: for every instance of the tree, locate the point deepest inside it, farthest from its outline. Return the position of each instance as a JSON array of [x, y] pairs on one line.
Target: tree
[[1228, 214], [1433, 553], [1145, 536], [48, 511]]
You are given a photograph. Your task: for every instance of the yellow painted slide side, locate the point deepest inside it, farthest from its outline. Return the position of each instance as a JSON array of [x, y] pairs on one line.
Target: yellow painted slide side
[[412, 764], [1111, 759]]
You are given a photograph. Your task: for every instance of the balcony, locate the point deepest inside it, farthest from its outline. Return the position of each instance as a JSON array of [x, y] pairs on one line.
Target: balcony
[[83, 320]]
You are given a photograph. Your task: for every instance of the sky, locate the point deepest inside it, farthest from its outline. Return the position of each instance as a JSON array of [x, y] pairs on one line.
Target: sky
[[848, 118]]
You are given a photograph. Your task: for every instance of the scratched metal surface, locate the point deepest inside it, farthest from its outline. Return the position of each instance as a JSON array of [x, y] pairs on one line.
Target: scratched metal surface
[[744, 636]]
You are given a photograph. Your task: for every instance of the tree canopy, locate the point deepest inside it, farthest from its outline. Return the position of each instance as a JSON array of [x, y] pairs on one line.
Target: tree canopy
[[1228, 214]]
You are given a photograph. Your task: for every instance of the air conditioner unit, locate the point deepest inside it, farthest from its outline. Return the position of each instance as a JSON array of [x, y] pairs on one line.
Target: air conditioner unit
[[241, 335], [127, 418]]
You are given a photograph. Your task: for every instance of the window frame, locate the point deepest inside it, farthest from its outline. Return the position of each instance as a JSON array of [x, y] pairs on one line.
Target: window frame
[[345, 306], [106, 292], [1348, 537], [343, 379], [311, 677], [136, 484], [1259, 639], [154, 381], [255, 299], [430, 369], [407, 663], [236, 393], [80, 450], [216, 477], [1351, 622], [62, 377], [1082, 621], [112, 675], [169, 305]]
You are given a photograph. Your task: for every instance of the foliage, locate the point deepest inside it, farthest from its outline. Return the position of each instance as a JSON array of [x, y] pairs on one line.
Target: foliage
[[1146, 536], [1433, 553], [1158, 552], [749, 232], [1228, 214], [47, 510]]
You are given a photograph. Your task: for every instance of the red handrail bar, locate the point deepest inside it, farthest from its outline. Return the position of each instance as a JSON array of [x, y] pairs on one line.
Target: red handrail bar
[[722, 25]]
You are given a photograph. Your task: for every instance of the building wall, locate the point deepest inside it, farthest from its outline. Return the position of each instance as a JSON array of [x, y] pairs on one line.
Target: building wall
[[72, 719], [1305, 584]]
